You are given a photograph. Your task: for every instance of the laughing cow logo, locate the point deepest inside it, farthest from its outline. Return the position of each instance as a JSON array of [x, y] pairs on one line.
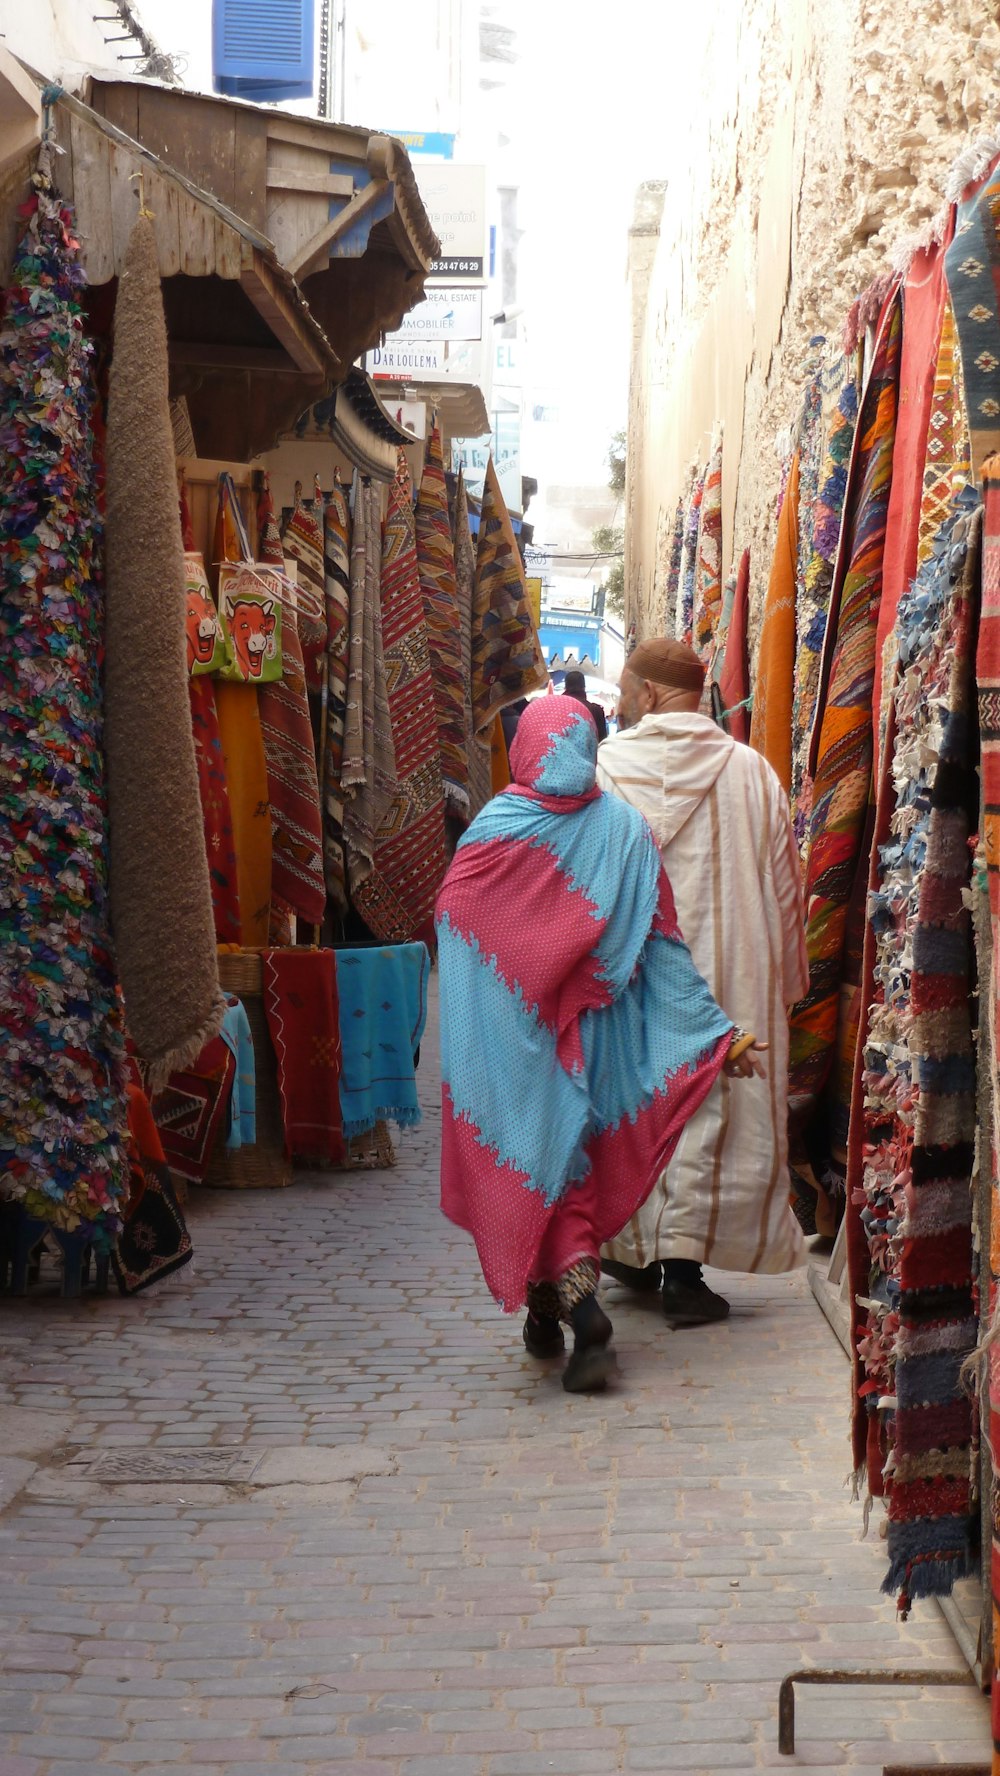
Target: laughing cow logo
[[251, 626], [202, 627]]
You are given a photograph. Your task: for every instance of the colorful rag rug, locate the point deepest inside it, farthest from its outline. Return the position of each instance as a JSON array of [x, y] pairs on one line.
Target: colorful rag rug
[[396, 900], [383, 1010], [63, 1131], [292, 784], [507, 661], [771, 721], [708, 571], [154, 1242], [933, 1519], [436, 567], [192, 1110], [914, 1322], [734, 662], [822, 529], [843, 744], [559, 952], [212, 786], [368, 764], [161, 897], [300, 1002], [689, 561], [243, 754], [302, 542], [972, 267], [337, 569]]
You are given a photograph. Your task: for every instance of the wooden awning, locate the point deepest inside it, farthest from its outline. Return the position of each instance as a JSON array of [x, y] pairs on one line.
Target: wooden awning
[[339, 205]]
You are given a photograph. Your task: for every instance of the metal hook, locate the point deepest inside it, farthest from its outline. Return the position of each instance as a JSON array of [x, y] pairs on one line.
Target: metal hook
[[140, 179]]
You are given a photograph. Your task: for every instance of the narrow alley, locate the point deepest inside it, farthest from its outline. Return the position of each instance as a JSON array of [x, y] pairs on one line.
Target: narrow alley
[[459, 1570]]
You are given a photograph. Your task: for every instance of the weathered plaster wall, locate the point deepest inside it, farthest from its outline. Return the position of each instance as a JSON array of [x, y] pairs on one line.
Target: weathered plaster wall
[[821, 137]]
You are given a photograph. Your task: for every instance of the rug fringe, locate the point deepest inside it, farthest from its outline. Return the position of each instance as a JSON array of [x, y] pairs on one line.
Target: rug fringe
[[974, 161], [157, 1069], [403, 1118]]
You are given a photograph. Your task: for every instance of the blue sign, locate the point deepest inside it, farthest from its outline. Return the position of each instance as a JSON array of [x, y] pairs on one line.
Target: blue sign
[[436, 142]]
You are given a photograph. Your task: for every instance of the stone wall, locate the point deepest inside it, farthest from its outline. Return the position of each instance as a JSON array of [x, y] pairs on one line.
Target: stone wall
[[819, 143]]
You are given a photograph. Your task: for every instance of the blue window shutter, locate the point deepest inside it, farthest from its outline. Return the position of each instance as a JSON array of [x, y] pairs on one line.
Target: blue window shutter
[[263, 49]]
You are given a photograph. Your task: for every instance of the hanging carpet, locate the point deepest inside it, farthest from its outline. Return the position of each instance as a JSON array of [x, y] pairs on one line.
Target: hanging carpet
[[396, 900], [213, 789], [734, 674], [161, 899], [293, 787], [192, 1110], [923, 311], [674, 569], [708, 571], [813, 600], [154, 1242], [933, 1521], [243, 750], [844, 741], [477, 750], [972, 267], [63, 1129], [383, 1009], [337, 573], [771, 720], [300, 1000], [368, 765], [507, 662], [436, 566], [689, 560], [302, 542]]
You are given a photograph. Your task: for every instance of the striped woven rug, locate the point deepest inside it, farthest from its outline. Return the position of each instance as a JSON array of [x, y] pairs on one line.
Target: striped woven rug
[[436, 565], [397, 899]]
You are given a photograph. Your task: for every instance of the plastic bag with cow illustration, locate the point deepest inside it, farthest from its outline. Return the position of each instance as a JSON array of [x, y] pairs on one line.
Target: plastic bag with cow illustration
[[207, 640], [250, 608]]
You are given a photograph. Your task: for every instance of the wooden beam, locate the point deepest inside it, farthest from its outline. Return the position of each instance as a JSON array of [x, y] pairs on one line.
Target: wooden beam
[[338, 225], [285, 319], [289, 178]]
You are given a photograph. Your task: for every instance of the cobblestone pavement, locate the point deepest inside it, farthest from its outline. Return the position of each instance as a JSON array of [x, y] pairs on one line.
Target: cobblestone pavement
[[482, 1576]]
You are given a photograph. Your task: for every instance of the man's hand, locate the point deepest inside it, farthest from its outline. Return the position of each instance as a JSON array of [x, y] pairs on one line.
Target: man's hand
[[747, 1064]]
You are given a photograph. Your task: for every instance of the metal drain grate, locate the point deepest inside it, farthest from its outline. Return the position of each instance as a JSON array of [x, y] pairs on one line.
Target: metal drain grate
[[157, 1466]]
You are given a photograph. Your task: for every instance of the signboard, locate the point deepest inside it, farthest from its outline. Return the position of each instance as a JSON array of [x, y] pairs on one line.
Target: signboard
[[455, 200], [507, 457], [436, 142], [404, 362], [443, 314], [533, 586]]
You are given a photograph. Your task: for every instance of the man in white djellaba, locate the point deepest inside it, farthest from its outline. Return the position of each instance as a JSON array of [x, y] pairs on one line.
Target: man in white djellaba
[[722, 822]]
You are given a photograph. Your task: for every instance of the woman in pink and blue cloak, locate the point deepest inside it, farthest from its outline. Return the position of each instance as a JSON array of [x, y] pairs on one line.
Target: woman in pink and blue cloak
[[577, 1036]]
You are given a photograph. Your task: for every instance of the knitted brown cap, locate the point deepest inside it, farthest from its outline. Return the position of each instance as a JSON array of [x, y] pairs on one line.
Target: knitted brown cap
[[666, 662]]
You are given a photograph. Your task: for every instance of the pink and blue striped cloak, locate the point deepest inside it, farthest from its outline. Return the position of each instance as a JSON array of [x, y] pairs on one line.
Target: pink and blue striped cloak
[[577, 1037]]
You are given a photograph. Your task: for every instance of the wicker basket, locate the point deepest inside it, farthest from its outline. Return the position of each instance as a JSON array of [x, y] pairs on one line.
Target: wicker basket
[[371, 1152], [264, 1165]]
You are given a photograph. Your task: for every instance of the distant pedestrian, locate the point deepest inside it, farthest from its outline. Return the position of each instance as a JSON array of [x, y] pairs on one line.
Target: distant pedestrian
[[721, 820], [575, 686], [576, 1035]]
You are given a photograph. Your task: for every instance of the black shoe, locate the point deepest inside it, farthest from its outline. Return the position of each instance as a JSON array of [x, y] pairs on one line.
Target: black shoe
[[687, 1306], [592, 1359], [543, 1337], [644, 1279]]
